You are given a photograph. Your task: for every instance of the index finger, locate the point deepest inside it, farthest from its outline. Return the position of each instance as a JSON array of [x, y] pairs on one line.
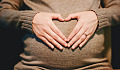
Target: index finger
[[71, 16], [57, 31], [75, 31]]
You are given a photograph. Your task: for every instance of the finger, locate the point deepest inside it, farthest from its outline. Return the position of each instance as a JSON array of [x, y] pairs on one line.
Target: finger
[[47, 42], [58, 16], [57, 31], [74, 31], [71, 16], [56, 37], [48, 38], [77, 36], [36, 31], [84, 41], [51, 40], [83, 37], [89, 32]]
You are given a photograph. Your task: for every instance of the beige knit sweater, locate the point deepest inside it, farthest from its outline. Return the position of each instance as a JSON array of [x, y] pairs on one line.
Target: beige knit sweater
[[18, 15]]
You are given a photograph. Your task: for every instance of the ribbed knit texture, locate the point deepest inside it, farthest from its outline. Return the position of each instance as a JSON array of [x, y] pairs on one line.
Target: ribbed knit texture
[[14, 19], [106, 17], [37, 55], [26, 18]]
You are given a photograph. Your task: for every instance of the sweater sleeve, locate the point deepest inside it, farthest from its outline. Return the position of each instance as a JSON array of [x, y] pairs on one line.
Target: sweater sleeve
[[12, 18], [109, 15]]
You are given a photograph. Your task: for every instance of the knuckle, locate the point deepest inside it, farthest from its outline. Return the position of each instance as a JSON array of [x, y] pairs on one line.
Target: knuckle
[[44, 40], [82, 38], [76, 44], [39, 34], [57, 44], [45, 28], [40, 37], [50, 39], [64, 43], [42, 34], [55, 36], [71, 42], [77, 36], [57, 32]]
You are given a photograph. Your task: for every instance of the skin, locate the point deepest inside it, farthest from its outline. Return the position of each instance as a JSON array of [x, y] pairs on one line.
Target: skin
[[84, 29], [45, 29]]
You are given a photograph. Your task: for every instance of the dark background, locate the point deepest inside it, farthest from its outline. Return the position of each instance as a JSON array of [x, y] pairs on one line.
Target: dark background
[[116, 47], [11, 47]]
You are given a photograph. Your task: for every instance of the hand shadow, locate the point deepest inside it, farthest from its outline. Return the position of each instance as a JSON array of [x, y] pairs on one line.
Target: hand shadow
[[39, 40], [66, 28], [84, 44]]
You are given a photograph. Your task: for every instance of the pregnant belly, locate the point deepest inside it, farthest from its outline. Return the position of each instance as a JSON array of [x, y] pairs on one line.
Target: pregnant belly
[[36, 52]]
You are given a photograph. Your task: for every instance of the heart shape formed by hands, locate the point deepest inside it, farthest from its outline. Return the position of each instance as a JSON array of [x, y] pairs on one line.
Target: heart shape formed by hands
[[84, 29], [46, 30]]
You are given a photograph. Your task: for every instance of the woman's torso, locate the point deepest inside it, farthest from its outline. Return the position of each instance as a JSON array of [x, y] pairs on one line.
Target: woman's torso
[[37, 53]]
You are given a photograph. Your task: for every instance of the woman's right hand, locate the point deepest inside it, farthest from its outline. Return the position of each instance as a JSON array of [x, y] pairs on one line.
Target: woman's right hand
[[46, 30]]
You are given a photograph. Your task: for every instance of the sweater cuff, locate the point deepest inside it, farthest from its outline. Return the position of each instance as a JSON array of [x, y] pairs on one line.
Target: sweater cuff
[[26, 18], [103, 17]]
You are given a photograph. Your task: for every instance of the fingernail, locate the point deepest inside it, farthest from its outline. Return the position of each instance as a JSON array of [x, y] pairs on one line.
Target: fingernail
[[62, 19], [52, 47], [65, 44], [80, 45], [68, 45], [72, 48], [61, 48]]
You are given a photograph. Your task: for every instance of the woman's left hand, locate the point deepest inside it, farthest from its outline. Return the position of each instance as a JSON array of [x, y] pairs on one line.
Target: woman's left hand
[[84, 29]]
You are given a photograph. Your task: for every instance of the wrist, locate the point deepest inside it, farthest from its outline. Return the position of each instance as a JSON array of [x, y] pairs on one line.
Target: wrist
[[34, 17], [95, 14], [97, 20]]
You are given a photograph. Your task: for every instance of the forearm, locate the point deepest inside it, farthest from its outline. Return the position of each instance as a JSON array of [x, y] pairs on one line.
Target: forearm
[[12, 18], [108, 15]]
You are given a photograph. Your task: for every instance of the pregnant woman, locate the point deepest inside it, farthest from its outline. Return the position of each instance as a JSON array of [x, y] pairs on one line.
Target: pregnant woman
[[61, 34]]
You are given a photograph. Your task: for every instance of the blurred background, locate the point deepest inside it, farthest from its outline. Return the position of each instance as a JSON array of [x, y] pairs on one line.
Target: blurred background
[[11, 47]]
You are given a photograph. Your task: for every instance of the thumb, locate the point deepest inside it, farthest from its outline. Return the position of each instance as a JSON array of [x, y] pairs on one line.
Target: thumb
[[58, 16], [71, 16]]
